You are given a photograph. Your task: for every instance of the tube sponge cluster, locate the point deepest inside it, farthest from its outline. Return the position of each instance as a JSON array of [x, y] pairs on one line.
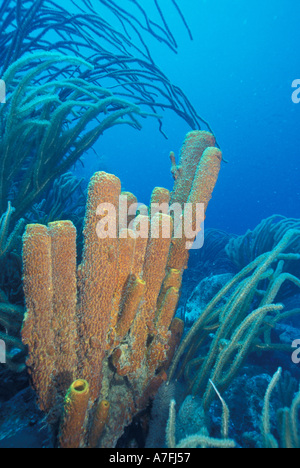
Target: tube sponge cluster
[[102, 335]]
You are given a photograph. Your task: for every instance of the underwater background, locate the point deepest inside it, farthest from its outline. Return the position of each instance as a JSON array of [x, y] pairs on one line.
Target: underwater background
[[237, 72]]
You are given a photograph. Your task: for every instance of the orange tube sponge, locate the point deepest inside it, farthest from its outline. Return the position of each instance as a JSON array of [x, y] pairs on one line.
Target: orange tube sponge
[[132, 301], [37, 330], [121, 312], [191, 152], [200, 192], [160, 195], [126, 247], [156, 353], [173, 279], [153, 275], [141, 227], [49, 328], [167, 309], [99, 422], [63, 254], [125, 218], [98, 276], [206, 177], [154, 269], [72, 426]]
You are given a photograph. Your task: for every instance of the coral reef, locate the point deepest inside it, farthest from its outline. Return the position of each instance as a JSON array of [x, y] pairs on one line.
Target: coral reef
[[237, 321], [109, 322], [270, 422], [241, 325]]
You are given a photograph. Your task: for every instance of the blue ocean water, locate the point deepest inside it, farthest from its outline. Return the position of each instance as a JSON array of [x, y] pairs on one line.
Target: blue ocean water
[[238, 73]]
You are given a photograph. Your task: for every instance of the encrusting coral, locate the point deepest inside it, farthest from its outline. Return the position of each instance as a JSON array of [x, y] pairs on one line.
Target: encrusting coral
[[109, 323]]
